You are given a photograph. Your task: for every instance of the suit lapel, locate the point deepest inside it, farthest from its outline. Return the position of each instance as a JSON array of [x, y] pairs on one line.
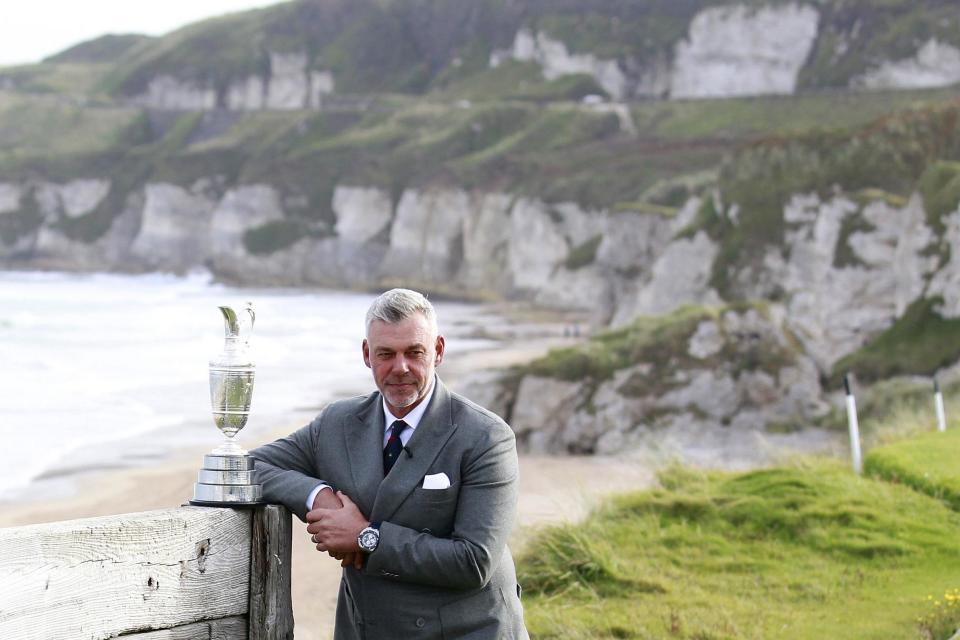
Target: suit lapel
[[428, 439], [363, 441]]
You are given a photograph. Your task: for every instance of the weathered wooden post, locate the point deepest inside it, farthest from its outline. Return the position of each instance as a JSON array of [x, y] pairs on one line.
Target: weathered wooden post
[[271, 605], [188, 573]]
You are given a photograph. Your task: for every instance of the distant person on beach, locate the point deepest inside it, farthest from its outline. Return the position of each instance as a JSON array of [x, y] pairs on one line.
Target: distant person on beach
[[412, 487]]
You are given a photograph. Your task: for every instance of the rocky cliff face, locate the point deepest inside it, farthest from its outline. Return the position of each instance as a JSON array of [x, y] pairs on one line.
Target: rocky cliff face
[[935, 64], [737, 50], [693, 50], [716, 379], [728, 51], [734, 386], [287, 84], [838, 287]]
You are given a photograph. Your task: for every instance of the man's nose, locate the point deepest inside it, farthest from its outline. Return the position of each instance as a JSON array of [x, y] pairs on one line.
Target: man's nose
[[401, 364]]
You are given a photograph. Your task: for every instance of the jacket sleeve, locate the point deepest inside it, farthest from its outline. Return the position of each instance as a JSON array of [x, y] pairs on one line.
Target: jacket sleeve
[[286, 468], [485, 514]]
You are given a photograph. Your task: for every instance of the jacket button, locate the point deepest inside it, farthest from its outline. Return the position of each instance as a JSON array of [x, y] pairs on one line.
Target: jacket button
[[420, 623], [425, 531]]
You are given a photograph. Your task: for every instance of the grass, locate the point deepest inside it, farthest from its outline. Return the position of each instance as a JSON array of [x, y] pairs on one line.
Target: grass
[[78, 80], [926, 462], [764, 116], [36, 125], [662, 343], [648, 339], [892, 410], [920, 342], [809, 551]]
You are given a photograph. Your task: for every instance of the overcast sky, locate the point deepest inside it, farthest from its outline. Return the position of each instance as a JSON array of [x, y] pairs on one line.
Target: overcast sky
[[33, 29]]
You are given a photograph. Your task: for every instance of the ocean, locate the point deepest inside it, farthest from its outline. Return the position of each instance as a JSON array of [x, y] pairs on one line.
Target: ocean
[[100, 371]]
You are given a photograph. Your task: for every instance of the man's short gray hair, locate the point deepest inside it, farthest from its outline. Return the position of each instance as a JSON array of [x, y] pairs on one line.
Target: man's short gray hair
[[397, 305]]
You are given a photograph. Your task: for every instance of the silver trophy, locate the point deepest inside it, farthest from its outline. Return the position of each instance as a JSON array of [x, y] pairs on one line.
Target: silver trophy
[[226, 478]]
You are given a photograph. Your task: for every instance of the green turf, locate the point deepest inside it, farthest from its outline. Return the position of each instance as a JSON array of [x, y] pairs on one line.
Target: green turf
[[810, 551], [926, 462]]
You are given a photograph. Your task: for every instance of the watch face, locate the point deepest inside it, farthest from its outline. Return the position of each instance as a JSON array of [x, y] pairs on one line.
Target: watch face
[[369, 540]]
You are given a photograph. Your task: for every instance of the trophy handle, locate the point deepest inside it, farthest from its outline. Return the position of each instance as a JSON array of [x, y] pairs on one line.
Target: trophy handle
[[238, 327], [246, 326]]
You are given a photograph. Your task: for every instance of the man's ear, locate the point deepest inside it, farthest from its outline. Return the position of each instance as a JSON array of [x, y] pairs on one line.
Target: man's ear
[[366, 353], [439, 348]]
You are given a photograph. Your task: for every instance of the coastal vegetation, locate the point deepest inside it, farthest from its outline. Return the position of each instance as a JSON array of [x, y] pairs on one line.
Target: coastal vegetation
[[920, 342], [808, 549]]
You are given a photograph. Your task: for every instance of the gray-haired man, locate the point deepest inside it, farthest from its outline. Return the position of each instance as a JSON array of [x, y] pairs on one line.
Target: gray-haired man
[[412, 486]]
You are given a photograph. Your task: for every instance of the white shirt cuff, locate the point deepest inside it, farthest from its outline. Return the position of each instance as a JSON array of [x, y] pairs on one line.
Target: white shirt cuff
[[313, 495]]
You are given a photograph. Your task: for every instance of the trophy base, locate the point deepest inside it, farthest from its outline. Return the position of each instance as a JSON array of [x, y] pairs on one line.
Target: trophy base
[[226, 481]]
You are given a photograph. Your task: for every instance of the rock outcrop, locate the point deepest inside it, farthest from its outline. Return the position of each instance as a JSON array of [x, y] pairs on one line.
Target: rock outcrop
[[834, 309], [845, 273], [174, 229], [729, 51], [936, 64], [286, 58], [740, 50], [73, 199], [694, 406], [288, 84], [556, 61]]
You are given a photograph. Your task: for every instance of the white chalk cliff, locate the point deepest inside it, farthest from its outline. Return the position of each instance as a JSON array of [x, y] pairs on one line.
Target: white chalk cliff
[[936, 64], [289, 84], [617, 265], [741, 51]]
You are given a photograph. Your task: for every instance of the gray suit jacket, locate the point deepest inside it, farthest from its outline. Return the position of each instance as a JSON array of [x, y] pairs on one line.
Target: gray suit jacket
[[442, 569]]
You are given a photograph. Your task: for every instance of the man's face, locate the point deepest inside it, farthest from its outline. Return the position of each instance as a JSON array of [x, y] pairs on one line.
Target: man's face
[[403, 357]]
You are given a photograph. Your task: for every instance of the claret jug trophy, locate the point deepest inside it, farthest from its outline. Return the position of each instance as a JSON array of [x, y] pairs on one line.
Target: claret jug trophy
[[226, 478]]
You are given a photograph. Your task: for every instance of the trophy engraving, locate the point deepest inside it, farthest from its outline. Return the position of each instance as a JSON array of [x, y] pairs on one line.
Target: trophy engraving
[[227, 474]]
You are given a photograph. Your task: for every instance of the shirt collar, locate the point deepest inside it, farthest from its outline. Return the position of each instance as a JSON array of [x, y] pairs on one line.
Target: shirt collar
[[413, 418]]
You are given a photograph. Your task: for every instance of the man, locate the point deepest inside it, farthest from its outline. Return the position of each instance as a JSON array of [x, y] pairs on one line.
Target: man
[[413, 487]]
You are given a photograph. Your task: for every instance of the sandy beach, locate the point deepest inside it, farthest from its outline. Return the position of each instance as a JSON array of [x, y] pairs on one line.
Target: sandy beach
[[552, 489]]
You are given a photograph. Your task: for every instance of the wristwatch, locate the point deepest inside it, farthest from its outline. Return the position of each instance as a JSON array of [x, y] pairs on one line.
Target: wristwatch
[[369, 538]]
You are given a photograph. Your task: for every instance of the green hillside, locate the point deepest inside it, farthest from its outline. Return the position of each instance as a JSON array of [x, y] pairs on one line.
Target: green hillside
[[419, 46], [420, 104], [561, 151], [809, 551]]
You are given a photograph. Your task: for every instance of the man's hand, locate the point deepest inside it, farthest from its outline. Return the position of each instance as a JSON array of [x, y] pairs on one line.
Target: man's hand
[[336, 530], [325, 499]]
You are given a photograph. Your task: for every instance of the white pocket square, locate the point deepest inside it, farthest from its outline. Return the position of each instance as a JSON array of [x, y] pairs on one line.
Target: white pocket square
[[436, 481]]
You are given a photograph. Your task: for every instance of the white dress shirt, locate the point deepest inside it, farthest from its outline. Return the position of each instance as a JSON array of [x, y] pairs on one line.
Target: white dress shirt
[[412, 419]]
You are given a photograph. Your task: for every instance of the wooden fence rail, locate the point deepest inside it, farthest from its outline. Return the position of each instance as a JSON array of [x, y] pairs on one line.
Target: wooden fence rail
[[188, 573]]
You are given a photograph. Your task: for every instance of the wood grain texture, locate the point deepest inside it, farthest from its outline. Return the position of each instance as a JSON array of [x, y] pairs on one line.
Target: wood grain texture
[[102, 577], [271, 607], [233, 628]]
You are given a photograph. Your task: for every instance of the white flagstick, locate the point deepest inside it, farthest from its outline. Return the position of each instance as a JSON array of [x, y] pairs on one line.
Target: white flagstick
[[854, 428], [938, 402]]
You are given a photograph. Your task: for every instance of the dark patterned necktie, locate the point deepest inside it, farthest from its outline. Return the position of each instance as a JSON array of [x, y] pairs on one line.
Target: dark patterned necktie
[[391, 452]]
